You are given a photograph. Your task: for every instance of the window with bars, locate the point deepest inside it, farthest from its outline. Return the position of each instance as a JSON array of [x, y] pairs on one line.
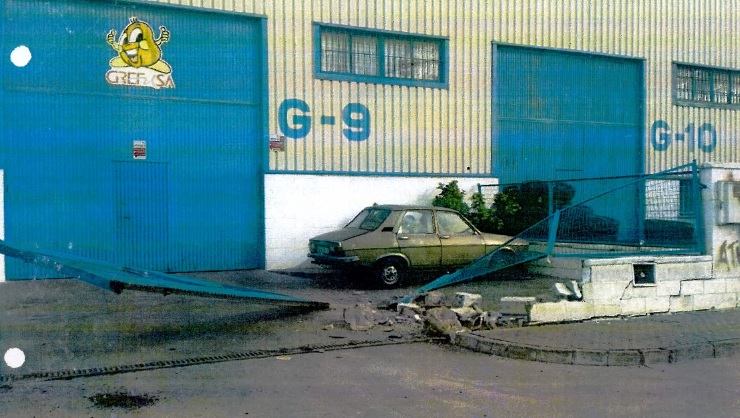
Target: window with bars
[[379, 57], [706, 86]]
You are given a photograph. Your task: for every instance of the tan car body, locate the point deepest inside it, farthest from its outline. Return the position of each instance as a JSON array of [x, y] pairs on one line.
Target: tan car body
[[412, 237]]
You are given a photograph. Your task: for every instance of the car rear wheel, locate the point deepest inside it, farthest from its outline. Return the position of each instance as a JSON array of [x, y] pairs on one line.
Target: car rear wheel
[[390, 272]]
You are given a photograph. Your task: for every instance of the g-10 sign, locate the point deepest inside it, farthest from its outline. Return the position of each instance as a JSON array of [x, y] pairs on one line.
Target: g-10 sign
[[704, 137]]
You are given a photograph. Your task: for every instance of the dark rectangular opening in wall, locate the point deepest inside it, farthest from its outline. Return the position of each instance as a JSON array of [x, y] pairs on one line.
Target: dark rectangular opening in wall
[[644, 273]]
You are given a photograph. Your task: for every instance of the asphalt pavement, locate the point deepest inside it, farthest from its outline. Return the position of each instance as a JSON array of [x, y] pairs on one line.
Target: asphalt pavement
[[67, 325]]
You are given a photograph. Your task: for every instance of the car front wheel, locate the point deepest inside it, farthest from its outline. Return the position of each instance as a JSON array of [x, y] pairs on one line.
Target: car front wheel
[[390, 272]]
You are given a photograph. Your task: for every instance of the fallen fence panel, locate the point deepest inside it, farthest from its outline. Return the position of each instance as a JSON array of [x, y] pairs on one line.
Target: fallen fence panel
[[118, 278]]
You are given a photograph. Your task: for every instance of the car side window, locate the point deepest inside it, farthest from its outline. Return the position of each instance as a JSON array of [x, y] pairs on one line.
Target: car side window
[[452, 224], [417, 222]]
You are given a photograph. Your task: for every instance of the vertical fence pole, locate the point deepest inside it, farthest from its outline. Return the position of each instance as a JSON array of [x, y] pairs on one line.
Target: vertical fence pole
[[554, 223], [698, 209], [641, 195]]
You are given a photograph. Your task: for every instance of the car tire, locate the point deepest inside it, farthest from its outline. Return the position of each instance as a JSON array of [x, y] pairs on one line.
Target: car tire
[[390, 272]]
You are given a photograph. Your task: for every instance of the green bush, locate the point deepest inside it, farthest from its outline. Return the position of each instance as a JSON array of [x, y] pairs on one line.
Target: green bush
[[514, 209], [450, 196], [522, 205]]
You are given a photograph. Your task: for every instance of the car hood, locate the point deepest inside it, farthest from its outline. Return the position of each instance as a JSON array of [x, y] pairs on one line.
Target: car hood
[[496, 239], [340, 234]]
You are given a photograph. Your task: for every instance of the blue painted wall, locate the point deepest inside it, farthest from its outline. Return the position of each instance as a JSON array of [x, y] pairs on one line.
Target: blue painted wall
[[72, 183]]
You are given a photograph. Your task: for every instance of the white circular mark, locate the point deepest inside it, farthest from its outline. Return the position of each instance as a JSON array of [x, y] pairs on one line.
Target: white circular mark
[[15, 358], [21, 56]]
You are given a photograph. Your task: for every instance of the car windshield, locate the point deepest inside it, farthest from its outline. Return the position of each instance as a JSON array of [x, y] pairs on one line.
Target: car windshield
[[369, 219]]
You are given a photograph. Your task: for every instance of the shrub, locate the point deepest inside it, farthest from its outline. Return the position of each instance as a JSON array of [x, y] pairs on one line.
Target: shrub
[[450, 196], [514, 209]]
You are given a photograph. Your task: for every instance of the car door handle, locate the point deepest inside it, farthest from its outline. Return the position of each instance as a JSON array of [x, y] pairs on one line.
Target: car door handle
[[404, 237], [444, 236]]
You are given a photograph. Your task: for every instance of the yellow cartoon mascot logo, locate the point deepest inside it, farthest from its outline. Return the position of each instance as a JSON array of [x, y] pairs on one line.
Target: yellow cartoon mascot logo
[[139, 61]]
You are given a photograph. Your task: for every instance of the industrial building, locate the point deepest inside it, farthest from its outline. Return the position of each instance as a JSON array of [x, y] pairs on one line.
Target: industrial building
[[216, 135]]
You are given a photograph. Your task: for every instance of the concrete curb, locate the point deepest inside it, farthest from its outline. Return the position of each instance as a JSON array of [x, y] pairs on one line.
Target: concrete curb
[[590, 357]]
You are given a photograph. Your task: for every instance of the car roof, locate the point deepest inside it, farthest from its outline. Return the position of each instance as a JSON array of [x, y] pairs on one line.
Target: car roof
[[408, 207]]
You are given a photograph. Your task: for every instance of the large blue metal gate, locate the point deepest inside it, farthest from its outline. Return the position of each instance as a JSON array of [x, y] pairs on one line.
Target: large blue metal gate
[[83, 126], [563, 115]]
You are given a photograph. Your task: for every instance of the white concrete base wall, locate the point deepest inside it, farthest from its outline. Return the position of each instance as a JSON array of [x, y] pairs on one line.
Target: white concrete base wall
[[682, 283], [298, 207]]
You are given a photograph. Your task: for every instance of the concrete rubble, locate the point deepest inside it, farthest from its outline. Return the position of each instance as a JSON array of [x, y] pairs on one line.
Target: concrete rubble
[[364, 316], [462, 312], [447, 315], [442, 315], [570, 291], [361, 317], [437, 313]]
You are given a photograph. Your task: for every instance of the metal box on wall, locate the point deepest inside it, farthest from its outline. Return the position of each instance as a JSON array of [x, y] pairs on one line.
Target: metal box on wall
[[729, 202]]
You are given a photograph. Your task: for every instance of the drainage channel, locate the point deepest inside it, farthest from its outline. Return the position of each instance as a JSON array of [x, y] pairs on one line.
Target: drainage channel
[[195, 361]]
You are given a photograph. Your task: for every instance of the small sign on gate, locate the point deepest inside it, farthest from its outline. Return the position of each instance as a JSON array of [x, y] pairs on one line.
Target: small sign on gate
[[139, 150], [277, 142]]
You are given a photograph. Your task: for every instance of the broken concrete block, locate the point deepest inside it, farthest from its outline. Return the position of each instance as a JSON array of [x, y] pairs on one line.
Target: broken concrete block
[[474, 318], [514, 321], [409, 309], [360, 317], [573, 287], [431, 299], [562, 291], [489, 319], [563, 311], [517, 305], [442, 321], [549, 312], [386, 321], [468, 314], [465, 300]]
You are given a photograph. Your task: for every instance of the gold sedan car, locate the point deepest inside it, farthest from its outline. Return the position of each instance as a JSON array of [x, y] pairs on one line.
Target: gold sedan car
[[392, 240]]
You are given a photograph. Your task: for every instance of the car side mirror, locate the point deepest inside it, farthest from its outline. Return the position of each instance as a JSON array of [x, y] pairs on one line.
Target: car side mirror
[[387, 229]]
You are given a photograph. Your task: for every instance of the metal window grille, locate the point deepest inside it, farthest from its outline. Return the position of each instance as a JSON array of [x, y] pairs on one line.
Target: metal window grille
[[408, 59], [398, 59], [364, 55], [721, 87], [426, 61], [380, 57], [702, 85], [684, 83], [735, 91], [335, 52], [707, 85]]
